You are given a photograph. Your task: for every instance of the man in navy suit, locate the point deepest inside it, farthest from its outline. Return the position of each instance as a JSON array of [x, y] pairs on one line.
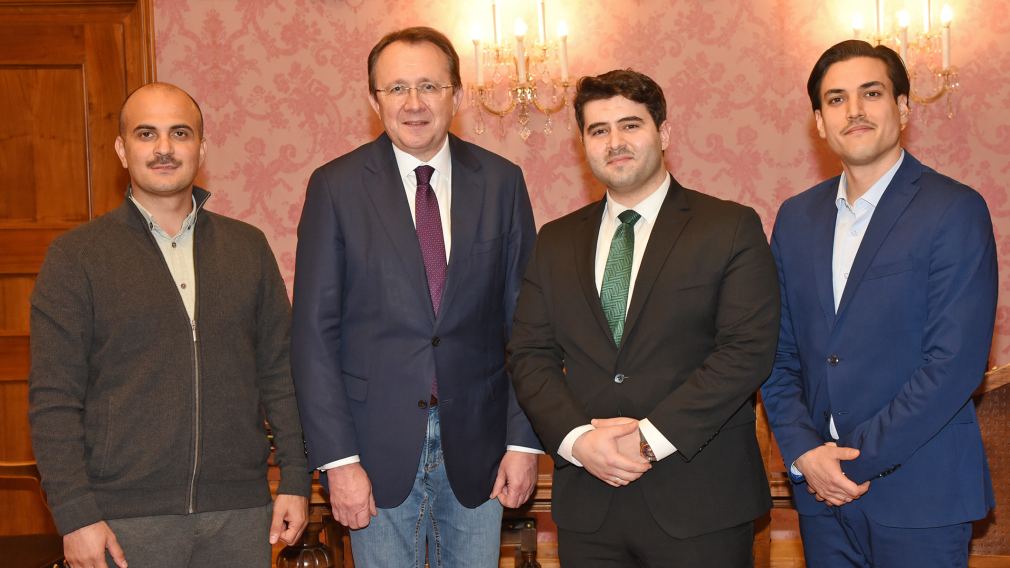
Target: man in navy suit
[[411, 249], [888, 277]]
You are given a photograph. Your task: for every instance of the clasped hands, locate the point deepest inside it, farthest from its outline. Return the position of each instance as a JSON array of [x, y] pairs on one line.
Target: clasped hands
[[822, 469], [612, 451]]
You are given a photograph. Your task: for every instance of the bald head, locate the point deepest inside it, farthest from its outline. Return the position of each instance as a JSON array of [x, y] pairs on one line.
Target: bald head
[[137, 98]]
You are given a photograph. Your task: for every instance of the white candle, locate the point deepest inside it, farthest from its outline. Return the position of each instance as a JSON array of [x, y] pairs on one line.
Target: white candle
[[563, 34], [880, 20], [926, 10], [478, 61], [494, 23], [903, 21], [946, 15], [542, 20], [521, 51], [857, 25]]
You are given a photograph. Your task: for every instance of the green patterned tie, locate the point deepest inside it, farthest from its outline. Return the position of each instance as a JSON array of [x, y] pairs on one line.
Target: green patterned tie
[[617, 273]]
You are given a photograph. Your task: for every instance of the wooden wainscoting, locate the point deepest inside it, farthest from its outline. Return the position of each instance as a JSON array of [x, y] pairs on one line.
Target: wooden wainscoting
[[65, 68]]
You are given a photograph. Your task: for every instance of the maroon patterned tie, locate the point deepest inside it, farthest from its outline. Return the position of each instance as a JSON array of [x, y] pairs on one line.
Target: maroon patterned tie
[[429, 234]]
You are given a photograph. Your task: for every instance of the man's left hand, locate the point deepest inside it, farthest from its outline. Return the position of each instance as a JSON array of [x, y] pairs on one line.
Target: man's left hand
[[628, 445], [517, 477], [291, 514]]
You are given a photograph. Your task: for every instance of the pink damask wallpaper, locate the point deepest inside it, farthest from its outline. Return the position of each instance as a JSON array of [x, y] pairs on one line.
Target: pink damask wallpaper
[[283, 87]]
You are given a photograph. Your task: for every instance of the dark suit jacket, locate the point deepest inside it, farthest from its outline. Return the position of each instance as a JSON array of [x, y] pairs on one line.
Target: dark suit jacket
[[897, 364], [366, 342], [699, 339]]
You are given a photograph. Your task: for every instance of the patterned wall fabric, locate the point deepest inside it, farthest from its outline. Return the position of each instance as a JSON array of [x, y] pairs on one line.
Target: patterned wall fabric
[[283, 87]]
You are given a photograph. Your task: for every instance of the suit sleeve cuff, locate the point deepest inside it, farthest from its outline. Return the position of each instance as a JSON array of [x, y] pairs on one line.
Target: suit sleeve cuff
[[661, 447], [346, 461], [568, 443], [523, 449]]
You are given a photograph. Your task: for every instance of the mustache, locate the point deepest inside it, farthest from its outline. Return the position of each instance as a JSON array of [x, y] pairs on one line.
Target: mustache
[[164, 161], [853, 123], [619, 151]]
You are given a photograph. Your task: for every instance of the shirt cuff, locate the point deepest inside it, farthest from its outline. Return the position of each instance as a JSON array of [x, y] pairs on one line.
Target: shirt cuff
[[796, 473], [523, 449], [568, 443], [661, 447], [346, 461]]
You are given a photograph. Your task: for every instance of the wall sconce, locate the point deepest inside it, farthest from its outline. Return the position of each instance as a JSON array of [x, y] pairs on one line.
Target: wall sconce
[[925, 57], [520, 74]]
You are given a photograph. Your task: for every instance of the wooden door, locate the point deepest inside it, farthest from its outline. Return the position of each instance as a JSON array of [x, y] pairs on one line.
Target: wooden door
[[65, 68]]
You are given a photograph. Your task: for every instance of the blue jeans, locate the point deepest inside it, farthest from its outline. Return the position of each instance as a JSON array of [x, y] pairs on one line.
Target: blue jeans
[[430, 521]]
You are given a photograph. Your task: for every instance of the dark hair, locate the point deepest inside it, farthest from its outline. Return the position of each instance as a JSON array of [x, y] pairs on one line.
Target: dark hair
[[626, 83], [852, 48], [159, 85], [417, 34]]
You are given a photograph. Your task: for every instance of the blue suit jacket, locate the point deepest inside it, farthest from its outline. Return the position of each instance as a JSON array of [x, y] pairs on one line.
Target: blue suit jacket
[[898, 362], [365, 341]]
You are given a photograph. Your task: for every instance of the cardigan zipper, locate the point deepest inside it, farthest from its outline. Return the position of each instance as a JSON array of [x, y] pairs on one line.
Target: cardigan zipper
[[196, 420]]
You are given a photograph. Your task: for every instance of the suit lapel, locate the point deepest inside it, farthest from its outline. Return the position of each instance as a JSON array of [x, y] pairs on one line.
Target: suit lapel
[[584, 245], [385, 189], [467, 202], [822, 235], [673, 216], [892, 204]]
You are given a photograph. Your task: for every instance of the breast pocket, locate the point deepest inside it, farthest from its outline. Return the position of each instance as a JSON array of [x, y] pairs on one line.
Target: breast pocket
[[484, 247], [889, 269]]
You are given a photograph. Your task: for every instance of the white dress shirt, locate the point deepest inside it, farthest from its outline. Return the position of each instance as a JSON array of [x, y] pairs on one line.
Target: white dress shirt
[[648, 208], [441, 184]]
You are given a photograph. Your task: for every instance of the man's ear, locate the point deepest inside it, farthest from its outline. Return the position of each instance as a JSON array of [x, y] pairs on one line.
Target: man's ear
[[819, 120], [904, 111], [664, 134], [121, 150]]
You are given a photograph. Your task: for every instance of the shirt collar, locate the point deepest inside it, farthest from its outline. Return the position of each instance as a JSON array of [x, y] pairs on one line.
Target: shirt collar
[[407, 163], [648, 208], [876, 191], [153, 225]]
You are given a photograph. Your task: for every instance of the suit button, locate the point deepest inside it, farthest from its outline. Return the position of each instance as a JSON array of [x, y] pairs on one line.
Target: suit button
[[422, 404], [619, 378], [833, 360], [436, 340]]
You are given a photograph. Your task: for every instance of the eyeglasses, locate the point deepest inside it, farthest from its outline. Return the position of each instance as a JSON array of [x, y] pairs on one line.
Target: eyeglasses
[[427, 91]]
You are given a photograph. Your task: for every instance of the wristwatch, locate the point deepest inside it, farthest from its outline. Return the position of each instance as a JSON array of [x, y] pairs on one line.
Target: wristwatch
[[644, 448]]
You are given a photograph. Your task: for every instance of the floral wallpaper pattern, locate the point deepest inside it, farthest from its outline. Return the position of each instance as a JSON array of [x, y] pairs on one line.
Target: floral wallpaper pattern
[[283, 88]]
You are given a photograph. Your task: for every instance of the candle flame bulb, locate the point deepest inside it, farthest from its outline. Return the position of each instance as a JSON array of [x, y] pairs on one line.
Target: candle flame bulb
[[903, 19], [520, 28]]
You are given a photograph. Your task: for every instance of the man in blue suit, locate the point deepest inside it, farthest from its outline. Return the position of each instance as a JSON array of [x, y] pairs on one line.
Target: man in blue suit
[[411, 249], [888, 277]]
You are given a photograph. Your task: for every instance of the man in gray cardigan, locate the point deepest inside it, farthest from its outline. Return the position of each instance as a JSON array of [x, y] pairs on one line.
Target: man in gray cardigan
[[159, 346]]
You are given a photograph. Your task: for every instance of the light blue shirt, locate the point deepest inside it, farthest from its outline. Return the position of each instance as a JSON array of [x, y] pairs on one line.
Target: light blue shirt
[[851, 223]]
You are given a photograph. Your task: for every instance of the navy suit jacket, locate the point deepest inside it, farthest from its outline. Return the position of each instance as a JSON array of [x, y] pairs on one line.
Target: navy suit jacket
[[365, 340], [898, 362]]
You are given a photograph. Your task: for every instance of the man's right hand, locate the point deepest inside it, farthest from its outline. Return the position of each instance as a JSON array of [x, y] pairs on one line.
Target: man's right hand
[[351, 495], [86, 546], [599, 453], [821, 467]]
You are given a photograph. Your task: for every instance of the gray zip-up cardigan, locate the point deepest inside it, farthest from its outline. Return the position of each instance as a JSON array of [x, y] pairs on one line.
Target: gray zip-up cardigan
[[135, 411]]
